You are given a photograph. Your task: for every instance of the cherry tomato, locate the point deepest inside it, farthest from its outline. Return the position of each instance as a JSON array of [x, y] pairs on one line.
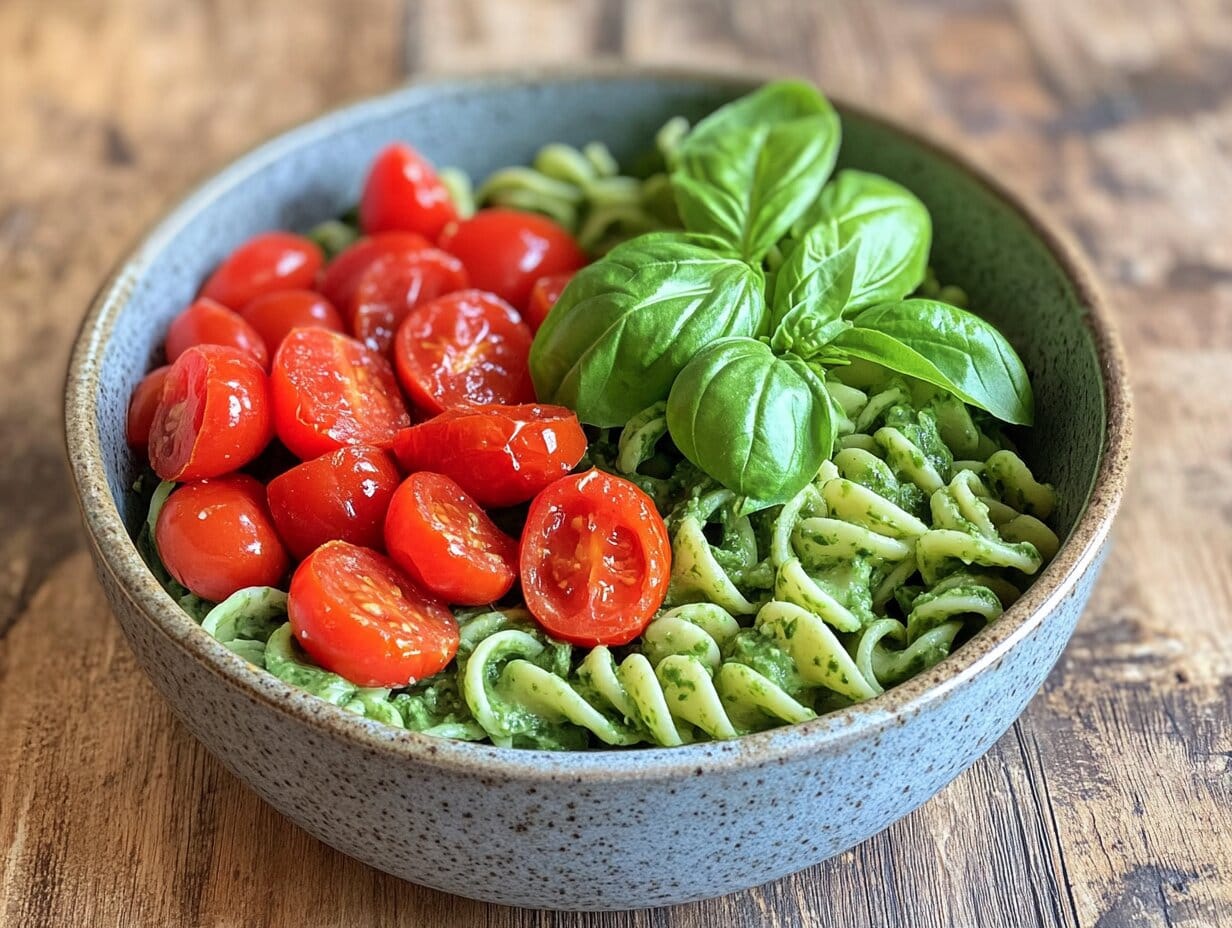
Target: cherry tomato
[[265, 263], [500, 455], [543, 296], [403, 193], [141, 407], [340, 495], [216, 537], [505, 251], [464, 348], [214, 415], [330, 391], [276, 314], [341, 275], [357, 614], [595, 559], [208, 322], [447, 544], [392, 285]]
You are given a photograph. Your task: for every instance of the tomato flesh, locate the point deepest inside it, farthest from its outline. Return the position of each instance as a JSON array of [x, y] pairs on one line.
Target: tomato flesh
[[357, 614], [392, 285], [263, 264], [403, 193], [142, 406], [543, 297], [208, 322], [342, 274], [274, 315]]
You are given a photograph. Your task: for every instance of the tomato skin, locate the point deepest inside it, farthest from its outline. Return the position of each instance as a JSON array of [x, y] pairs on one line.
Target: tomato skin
[[142, 406], [505, 251], [342, 495], [216, 537], [330, 391], [543, 297], [447, 544], [464, 348], [263, 264], [499, 455], [403, 193], [213, 417], [392, 285], [208, 322], [356, 613], [341, 275], [274, 315], [595, 559]]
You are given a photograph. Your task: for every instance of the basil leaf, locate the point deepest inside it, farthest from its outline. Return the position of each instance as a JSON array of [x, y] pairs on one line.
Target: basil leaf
[[747, 171], [948, 347], [811, 289], [757, 423], [890, 226], [626, 325]]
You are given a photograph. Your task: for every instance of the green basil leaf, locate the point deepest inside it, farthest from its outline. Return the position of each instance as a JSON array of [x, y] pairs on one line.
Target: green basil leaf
[[811, 290], [626, 325], [747, 171], [890, 226], [948, 347], [757, 423]]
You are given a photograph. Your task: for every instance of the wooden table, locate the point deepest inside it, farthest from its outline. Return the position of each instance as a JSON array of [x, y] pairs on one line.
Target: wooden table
[[1109, 804]]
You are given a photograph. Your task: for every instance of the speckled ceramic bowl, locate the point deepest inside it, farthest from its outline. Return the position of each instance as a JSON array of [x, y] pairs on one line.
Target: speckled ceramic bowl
[[607, 829]]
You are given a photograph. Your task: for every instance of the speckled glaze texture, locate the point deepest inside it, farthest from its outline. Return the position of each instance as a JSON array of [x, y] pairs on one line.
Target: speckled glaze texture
[[591, 831]]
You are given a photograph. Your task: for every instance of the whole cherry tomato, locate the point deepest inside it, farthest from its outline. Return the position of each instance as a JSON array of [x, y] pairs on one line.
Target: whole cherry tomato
[[265, 263], [499, 455], [142, 406], [403, 193], [213, 417], [208, 322], [543, 297], [392, 285], [505, 251], [216, 537], [274, 315], [342, 275], [595, 559], [357, 614]]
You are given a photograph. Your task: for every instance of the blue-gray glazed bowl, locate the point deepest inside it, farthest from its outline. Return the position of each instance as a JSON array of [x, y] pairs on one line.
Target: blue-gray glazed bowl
[[590, 830]]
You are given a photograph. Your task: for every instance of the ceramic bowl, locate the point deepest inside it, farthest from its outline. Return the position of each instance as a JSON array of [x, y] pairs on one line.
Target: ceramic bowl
[[604, 829]]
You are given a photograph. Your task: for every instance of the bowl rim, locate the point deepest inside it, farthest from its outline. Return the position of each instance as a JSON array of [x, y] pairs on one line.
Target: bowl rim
[[115, 552]]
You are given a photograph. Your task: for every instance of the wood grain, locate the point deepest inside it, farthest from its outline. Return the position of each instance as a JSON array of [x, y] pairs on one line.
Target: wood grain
[[1109, 804]]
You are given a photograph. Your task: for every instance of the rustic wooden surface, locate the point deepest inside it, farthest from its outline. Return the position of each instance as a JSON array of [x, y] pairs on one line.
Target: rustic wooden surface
[[1109, 804]]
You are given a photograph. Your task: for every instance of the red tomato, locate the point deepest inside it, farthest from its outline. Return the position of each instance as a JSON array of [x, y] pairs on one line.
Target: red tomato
[[342, 274], [403, 193], [595, 559], [265, 263], [462, 349], [500, 455], [141, 407], [448, 545], [357, 614], [543, 297], [392, 285], [506, 251], [216, 537], [340, 495], [330, 391], [207, 322], [276, 314], [213, 417]]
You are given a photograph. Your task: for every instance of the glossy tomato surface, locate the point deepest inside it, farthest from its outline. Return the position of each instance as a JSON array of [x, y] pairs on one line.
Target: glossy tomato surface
[[274, 315], [208, 322], [440, 536], [214, 415], [265, 263], [403, 193], [394, 284], [330, 391], [356, 613], [142, 406], [499, 455], [342, 495], [342, 274], [216, 537], [543, 297], [464, 348], [595, 559]]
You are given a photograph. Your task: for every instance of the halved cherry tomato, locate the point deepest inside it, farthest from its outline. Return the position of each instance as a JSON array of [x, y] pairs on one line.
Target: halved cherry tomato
[[543, 296], [142, 406], [265, 263], [392, 285], [505, 251], [216, 537], [464, 348], [448, 545], [330, 391], [208, 322], [403, 193], [500, 455], [341, 275], [213, 417], [276, 314], [340, 495], [595, 559], [357, 614]]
